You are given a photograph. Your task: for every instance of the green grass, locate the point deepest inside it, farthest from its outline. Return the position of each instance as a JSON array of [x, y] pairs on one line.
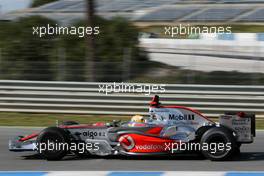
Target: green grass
[[36, 119], [260, 124]]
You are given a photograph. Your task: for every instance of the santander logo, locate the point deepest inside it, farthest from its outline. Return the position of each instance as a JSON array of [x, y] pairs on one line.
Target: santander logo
[[127, 142]]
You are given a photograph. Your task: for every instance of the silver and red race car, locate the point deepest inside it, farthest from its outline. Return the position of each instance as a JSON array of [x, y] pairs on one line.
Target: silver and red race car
[[169, 130]]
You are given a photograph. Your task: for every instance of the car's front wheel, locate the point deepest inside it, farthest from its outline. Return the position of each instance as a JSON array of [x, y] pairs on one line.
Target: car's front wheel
[[53, 143], [218, 144]]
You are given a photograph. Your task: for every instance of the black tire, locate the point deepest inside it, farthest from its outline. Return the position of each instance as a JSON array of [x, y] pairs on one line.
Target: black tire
[[215, 136], [81, 153], [85, 154], [56, 136], [237, 149]]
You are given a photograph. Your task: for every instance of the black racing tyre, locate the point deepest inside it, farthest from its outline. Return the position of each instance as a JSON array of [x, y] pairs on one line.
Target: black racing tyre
[[57, 139], [82, 154], [220, 142], [237, 149]]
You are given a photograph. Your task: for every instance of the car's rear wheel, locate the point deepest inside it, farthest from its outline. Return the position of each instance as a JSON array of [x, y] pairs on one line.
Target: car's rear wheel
[[220, 143], [53, 143], [237, 149]]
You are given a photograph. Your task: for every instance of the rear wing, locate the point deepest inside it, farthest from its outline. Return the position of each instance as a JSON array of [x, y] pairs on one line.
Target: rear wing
[[244, 125]]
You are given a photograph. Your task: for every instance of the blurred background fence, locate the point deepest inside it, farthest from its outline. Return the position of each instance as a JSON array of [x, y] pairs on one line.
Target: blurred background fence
[[84, 98], [206, 60]]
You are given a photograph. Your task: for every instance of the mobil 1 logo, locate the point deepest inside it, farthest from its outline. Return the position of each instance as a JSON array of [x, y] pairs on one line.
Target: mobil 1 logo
[[181, 116]]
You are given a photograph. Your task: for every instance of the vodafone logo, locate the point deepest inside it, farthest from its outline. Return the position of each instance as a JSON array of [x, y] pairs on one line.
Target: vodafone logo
[[127, 142], [149, 147]]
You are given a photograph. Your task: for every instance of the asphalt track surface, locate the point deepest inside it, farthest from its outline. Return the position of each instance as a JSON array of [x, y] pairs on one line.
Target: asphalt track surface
[[251, 159]]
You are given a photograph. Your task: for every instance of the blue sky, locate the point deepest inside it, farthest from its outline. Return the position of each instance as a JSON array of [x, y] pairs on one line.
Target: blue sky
[[10, 5]]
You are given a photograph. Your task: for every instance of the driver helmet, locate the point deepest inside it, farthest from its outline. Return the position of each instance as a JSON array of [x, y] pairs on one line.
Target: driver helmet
[[138, 119]]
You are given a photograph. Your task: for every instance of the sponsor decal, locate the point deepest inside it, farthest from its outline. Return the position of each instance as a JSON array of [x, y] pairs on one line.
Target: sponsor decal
[[181, 117], [149, 147], [244, 121], [226, 117], [127, 142], [92, 134], [242, 129], [159, 110]]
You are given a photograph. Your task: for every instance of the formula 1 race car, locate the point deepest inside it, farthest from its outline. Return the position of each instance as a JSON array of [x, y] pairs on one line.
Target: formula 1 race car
[[168, 130]]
